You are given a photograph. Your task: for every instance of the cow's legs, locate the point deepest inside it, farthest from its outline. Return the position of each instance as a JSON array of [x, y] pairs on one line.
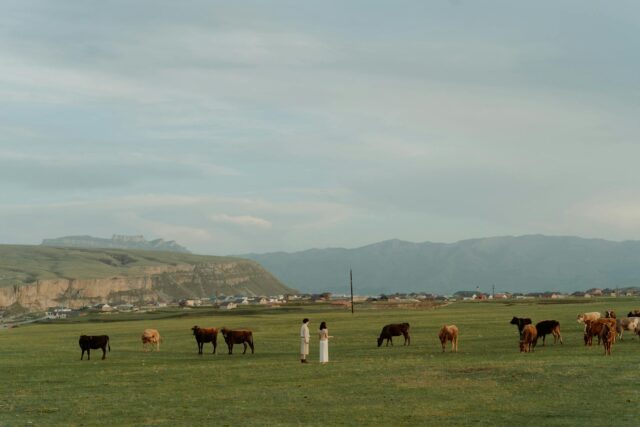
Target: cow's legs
[[104, 351], [251, 345], [544, 337], [245, 347], [230, 348], [88, 354], [213, 343], [82, 355]]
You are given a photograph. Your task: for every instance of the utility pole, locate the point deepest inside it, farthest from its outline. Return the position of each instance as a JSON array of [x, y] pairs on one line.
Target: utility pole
[[351, 282], [493, 291]]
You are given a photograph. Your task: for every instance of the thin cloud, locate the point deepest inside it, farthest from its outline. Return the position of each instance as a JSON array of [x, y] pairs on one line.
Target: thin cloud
[[242, 220]]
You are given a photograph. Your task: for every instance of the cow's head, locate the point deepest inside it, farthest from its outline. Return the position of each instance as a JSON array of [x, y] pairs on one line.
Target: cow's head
[[224, 332], [514, 321], [380, 339], [195, 329]]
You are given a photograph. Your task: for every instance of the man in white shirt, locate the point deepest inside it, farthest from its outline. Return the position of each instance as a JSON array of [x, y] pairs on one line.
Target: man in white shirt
[[304, 341]]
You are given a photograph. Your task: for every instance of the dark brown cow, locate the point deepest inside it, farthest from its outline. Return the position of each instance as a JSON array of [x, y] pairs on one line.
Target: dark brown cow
[[204, 335], [634, 313], [520, 322], [547, 327], [88, 342], [394, 330], [238, 336]]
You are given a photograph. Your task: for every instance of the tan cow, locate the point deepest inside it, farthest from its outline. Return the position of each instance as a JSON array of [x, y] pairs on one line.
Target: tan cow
[[150, 336], [449, 333], [528, 338], [591, 316]]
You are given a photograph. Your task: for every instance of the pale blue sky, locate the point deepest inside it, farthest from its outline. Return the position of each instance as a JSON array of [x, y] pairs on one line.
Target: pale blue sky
[[273, 125]]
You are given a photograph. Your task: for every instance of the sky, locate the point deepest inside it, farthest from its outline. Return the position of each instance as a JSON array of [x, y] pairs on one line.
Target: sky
[[259, 126]]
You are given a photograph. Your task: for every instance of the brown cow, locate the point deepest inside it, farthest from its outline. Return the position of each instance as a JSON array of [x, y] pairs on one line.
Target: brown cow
[[204, 335], [150, 336], [87, 342], [528, 338], [449, 333], [608, 336], [593, 328], [238, 336], [394, 330]]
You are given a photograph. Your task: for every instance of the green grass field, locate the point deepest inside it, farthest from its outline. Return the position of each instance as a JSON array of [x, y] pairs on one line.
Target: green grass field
[[43, 382]]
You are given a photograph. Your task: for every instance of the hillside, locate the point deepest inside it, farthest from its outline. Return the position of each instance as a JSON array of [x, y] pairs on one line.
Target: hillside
[[39, 276], [515, 264], [115, 242]]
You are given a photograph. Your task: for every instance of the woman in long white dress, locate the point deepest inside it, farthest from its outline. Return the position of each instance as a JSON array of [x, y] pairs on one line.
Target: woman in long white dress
[[324, 343]]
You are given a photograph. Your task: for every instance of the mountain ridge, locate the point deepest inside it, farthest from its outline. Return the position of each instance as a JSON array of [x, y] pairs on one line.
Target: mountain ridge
[[525, 263]]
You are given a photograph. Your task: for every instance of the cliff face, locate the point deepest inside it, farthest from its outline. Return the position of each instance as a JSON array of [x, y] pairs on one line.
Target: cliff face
[[153, 284]]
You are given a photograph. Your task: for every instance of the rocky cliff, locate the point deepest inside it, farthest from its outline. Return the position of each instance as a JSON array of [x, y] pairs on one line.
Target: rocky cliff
[[37, 278]]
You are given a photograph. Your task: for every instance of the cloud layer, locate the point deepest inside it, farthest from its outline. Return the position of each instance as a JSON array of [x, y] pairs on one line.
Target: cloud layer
[[268, 127]]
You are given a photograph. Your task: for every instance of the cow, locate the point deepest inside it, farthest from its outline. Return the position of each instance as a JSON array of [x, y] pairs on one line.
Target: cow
[[549, 327], [394, 330], [238, 336], [204, 335], [528, 338], [610, 314], [608, 337], [634, 313], [449, 333], [150, 336], [593, 328], [520, 322], [591, 316], [88, 342], [627, 324]]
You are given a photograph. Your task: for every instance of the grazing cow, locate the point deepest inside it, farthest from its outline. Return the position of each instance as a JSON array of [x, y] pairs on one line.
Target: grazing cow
[[627, 324], [528, 338], [150, 336], [634, 313], [204, 335], [520, 322], [394, 330], [549, 327], [88, 342], [449, 333], [610, 314], [593, 328], [608, 336], [238, 336]]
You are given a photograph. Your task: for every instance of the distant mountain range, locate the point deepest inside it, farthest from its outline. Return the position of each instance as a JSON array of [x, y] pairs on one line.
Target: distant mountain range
[[511, 264], [115, 242]]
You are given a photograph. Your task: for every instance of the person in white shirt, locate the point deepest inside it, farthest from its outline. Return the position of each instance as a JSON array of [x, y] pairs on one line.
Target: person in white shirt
[[304, 341]]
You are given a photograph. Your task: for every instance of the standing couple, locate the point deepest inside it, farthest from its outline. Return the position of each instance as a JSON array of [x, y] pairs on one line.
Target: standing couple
[[324, 341]]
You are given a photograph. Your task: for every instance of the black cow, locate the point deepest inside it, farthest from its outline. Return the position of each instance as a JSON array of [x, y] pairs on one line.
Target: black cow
[[520, 322], [549, 327], [238, 336], [87, 342], [394, 330], [204, 335], [634, 313]]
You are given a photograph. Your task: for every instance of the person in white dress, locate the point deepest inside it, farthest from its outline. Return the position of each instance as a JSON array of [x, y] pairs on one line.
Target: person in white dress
[[324, 343], [304, 340]]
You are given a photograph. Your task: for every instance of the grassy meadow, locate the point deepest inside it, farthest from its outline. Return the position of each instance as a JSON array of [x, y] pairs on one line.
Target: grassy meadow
[[43, 382]]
